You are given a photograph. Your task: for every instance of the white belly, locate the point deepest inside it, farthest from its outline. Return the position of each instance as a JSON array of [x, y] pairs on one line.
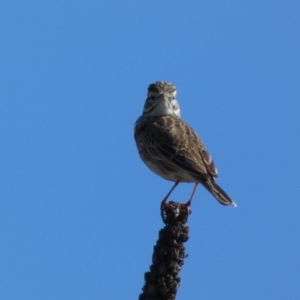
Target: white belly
[[173, 175]]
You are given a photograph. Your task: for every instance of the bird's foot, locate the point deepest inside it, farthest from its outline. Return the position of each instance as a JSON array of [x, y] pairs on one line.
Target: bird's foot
[[173, 210], [164, 207]]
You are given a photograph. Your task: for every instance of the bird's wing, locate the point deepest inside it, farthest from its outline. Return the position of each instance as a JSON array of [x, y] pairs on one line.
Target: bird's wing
[[176, 143]]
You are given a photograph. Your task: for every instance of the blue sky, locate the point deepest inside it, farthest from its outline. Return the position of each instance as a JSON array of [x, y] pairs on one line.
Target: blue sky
[[79, 212]]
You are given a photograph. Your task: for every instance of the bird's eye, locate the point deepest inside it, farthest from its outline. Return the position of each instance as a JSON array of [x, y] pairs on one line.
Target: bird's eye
[[152, 97]]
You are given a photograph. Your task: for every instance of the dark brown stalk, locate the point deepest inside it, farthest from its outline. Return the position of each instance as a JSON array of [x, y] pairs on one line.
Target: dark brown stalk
[[162, 281]]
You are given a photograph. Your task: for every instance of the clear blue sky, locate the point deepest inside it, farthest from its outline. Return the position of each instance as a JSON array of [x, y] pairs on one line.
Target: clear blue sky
[[79, 212]]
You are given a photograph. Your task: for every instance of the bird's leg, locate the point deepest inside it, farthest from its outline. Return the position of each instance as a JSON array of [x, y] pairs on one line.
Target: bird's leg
[[164, 201], [193, 193], [170, 192]]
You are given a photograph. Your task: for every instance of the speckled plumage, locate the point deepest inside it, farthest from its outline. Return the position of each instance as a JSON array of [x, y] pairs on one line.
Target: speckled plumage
[[170, 147]]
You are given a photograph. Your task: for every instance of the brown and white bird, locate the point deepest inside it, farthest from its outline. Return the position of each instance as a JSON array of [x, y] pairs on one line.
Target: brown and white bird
[[170, 147]]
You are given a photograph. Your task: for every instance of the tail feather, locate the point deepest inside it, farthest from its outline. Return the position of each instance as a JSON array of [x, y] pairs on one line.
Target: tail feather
[[218, 193]]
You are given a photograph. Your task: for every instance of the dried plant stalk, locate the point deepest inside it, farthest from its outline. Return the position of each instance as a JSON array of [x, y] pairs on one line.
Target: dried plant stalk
[[162, 281]]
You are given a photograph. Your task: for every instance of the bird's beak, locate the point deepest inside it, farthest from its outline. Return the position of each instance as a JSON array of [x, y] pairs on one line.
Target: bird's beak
[[162, 97]]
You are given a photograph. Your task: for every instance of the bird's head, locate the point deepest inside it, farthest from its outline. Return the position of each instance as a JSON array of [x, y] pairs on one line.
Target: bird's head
[[161, 100]]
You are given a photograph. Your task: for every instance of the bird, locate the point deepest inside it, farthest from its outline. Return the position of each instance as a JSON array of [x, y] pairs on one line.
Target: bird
[[171, 148]]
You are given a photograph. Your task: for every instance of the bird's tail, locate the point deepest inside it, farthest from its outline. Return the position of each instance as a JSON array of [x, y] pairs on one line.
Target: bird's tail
[[218, 193]]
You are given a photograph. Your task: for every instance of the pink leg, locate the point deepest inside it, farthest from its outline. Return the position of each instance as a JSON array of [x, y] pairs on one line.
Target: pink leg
[[171, 190], [191, 198], [164, 201]]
